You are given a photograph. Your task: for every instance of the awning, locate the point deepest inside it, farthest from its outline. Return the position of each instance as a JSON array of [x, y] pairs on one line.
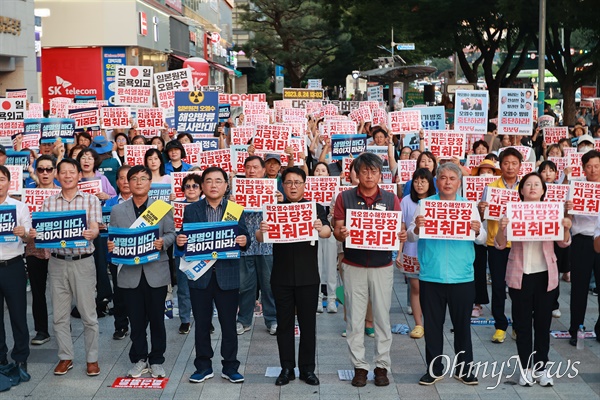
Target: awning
[[178, 57], [235, 71], [221, 68]]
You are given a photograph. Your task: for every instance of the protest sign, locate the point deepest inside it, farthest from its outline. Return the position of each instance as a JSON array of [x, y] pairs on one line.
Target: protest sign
[[58, 107], [373, 229], [526, 168], [535, 221], [299, 128], [20, 158], [59, 229], [545, 121], [134, 153], [196, 112], [298, 146], [19, 93], [133, 85], [167, 83], [524, 150], [290, 114], [208, 143], [576, 166], [445, 144], [15, 186], [346, 163], [471, 111], [448, 219], [140, 383], [224, 112], [406, 121], [85, 117], [34, 197], [272, 138], [256, 119], [105, 221], [150, 120], [515, 112], [253, 193], [553, 134], [236, 99], [8, 222], [215, 158], [473, 160], [337, 127], [35, 110], [321, 189], [178, 209], [497, 198], [556, 192], [473, 186], [585, 197], [362, 114], [115, 117], [281, 104], [254, 108], [211, 240], [177, 181], [406, 169], [375, 93], [12, 113], [239, 154], [192, 152], [91, 186], [345, 145], [289, 223], [55, 128], [433, 118], [160, 191], [380, 117], [134, 246]]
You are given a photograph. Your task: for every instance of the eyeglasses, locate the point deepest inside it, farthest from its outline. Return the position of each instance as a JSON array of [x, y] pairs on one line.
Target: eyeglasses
[[217, 182], [41, 170], [293, 183], [192, 186], [87, 158], [367, 172], [142, 179]]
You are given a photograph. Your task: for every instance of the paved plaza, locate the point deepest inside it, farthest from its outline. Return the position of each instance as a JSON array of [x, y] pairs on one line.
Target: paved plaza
[[258, 350]]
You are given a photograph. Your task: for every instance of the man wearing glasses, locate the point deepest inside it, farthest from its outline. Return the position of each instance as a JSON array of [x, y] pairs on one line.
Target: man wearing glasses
[[37, 259], [220, 285], [145, 285], [367, 273]]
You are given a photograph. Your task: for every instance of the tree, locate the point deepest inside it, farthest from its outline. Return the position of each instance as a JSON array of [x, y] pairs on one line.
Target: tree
[[297, 34], [574, 21]]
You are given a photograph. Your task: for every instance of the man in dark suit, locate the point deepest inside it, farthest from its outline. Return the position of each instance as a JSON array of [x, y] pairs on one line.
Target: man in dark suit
[[145, 285], [295, 283], [220, 284]]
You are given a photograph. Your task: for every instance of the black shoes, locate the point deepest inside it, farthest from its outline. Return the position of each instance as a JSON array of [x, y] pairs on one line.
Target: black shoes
[[40, 338], [310, 378], [120, 334], [286, 376], [184, 328]]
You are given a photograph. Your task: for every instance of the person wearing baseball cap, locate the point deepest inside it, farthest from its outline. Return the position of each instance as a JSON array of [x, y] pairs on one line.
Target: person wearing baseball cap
[[176, 153], [585, 143], [108, 165]]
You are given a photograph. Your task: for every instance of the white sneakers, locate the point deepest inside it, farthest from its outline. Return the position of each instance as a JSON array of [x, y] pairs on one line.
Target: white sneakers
[[529, 378]]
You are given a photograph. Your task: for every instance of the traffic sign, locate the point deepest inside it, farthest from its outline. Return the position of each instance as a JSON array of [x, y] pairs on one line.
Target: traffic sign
[[405, 46]]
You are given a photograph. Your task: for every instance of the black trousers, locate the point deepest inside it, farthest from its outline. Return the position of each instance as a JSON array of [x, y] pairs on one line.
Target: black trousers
[[584, 260], [119, 309], [435, 297], [563, 261], [302, 300], [498, 260], [226, 302], [103, 289], [480, 267], [532, 307], [145, 305], [37, 270], [13, 282]]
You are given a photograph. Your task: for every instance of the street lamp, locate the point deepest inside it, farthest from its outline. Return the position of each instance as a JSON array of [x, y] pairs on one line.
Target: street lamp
[[355, 76]]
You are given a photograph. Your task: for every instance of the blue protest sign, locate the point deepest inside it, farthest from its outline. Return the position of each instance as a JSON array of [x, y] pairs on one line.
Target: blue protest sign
[[433, 118], [134, 246], [211, 241], [17, 158], [344, 145], [59, 229], [53, 128], [8, 222], [211, 143], [196, 112], [105, 221], [224, 112], [111, 57], [160, 191]]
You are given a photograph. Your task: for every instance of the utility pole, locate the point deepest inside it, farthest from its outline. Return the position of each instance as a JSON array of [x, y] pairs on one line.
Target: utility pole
[[542, 58]]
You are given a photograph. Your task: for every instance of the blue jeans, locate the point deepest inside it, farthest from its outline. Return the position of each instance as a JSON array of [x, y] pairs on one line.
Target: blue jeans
[[183, 296], [255, 269]]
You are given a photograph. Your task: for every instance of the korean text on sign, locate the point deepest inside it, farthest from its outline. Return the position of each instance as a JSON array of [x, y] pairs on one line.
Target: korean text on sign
[[473, 186], [134, 85], [448, 219], [272, 138], [585, 197], [321, 189], [535, 221], [134, 153], [408, 121], [373, 229], [497, 198], [515, 112], [253, 193], [445, 144], [471, 111], [290, 222], [211, 240]]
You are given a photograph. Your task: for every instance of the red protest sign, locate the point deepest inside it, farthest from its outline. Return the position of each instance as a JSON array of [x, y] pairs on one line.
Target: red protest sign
[[178, 208], [253, 193], [34, 197], [321, 189], [192, 152], [93, 186], [526, 168], [585, 197], [373, 229], [553, 134], [298, 145], [406, 121], [140, 383], [576, 165], [15, 186], [406, 169], [272, 138], [242, 134], [473, 186], [134, 153], [150, 120], [497, 198], [561, 163], [473, 160], [448, 219], [290, 222], [215, 158], [535, 221], [361, 114]]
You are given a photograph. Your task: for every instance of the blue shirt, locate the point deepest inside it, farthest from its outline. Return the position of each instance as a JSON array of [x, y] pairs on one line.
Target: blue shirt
[[253, 220], [184, 167]]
